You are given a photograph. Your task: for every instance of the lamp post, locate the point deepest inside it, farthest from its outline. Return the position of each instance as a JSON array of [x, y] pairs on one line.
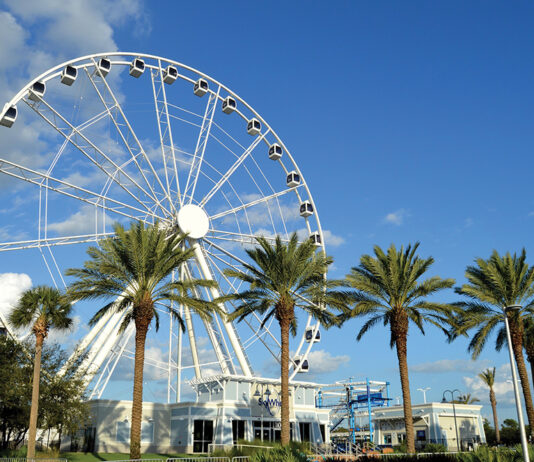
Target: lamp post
[[454, 413], [424, 390], [509, 310]]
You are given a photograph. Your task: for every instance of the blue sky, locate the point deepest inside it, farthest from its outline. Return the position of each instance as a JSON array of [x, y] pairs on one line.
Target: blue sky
[[411, 121]]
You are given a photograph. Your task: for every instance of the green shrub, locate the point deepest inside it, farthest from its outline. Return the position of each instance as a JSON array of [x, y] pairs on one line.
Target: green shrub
[[435, 447], [279, 454]]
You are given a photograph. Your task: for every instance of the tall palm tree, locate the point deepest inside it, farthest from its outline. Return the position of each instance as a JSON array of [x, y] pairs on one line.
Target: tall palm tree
[[488, 377], [281, 278], [43, 308], [494, 284], [389, 291], [132, 270]]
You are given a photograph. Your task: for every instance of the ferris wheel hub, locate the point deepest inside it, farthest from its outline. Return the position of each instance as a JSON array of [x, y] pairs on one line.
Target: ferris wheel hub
[[193, 221]]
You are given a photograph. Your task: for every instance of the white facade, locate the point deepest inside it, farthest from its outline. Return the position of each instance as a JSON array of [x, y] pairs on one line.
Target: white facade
[[227, 409], [434, 423]]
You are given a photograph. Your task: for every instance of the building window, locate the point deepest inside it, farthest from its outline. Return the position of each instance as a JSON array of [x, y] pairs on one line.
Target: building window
[[147, 432], [421, 435], [387, 438], [202, 435], [238, 430], [401, 437], [123, 432]]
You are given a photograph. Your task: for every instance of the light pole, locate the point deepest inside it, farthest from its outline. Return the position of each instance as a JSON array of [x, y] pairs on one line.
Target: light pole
[[424, 390], [510, 310], [454, 413]]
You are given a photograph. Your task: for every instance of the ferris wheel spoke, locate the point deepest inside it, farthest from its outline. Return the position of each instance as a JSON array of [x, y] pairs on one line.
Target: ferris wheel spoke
[[165, 129], [131, 133], [53, 241], [70, 190], [211, 257], [224, 251], [70, 132], [232, 169], [261, 200], [200, 149], [242, 238]]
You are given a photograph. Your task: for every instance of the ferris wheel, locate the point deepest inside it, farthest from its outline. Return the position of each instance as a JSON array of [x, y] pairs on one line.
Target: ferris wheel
[[126, 136]]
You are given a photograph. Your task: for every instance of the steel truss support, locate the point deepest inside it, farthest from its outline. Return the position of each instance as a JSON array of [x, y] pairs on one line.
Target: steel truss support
[[244, 363]]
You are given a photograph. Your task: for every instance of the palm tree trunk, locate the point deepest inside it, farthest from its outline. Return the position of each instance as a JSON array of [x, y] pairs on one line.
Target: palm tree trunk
[[39, 339], [517, 345], [141, 329], [530, 357], [493, 402], [284, 375], [402, 353]]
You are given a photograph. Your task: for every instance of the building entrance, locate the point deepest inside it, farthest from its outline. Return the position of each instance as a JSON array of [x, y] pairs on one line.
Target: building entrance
[[202, 435], [266, 430]]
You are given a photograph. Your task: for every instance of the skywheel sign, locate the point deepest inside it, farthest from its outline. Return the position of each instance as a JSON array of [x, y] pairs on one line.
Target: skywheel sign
[[267, 401]]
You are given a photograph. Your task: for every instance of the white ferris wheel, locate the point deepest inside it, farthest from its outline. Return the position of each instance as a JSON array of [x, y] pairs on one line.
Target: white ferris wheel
[[128, 136]]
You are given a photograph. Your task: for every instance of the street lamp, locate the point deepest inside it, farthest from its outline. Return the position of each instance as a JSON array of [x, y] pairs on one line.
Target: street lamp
[[509, 310], [424, 390], [454, 413]]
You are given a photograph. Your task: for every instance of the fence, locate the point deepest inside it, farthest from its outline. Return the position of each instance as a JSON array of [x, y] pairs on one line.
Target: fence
[[416, 455], [214, 446], [207, 459], [173, 459], [35, 459]]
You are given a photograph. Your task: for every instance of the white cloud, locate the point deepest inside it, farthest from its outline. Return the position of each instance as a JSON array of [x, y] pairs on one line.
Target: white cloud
[[84, 221], [37, 35], [331, 239], [12, 285], [396, 218], [12, 36], [79, 27], [320, 362], [450, 365], [64, 337], [503, 387], [323, 362]]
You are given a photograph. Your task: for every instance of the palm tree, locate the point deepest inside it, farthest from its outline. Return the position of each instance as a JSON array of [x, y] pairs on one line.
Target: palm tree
[[133, 271], [466, 399], [43, 308], [493, 285], [388, 290], [281, 278], [488, 377]]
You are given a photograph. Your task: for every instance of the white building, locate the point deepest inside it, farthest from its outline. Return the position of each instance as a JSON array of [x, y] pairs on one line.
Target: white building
[[434, 423], [227, 409]]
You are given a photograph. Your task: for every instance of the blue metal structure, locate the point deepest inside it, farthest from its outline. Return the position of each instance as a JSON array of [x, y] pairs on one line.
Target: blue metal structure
[[351, 400]]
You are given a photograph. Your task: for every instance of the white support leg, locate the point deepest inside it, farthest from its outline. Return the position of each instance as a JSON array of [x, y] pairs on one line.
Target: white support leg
[[229, 327]]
